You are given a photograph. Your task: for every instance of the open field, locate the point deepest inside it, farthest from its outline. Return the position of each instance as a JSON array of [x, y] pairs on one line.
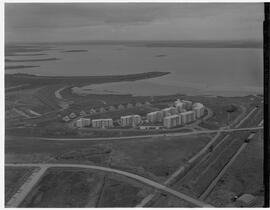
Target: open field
[[152, 157], [14, 178], [119, 191], [66, 187]]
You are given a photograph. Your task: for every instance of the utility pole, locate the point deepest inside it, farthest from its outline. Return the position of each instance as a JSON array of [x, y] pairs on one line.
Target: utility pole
[[266, 51]]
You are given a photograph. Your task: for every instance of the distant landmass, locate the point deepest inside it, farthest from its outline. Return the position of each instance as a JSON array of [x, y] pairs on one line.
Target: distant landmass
[[31, 60], [34, 80], [19, 67], [29, 54], [186, 43]]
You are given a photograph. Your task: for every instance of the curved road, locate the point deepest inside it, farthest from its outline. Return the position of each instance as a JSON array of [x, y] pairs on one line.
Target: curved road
[[124, 173]]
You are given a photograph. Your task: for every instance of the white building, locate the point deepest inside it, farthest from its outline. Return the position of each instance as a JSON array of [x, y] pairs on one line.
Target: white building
[[72, 115], [130, 120], [171, 121], [187, 104], [199, 109], [179, 106], [187, 117], [66, 119], [154, 117], [102, 123], [169, 111], [83, 122]]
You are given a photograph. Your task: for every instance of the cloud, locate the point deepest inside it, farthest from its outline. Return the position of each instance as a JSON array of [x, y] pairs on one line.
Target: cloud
[[131, 20]]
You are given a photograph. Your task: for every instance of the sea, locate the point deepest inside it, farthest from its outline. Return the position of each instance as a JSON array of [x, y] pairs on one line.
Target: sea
[[193, 71]]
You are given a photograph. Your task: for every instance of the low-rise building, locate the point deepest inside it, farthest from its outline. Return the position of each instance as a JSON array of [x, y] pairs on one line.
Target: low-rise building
[[121, 107], [82, 113], [92, 111], [129, 105], [199, 109], [138, 104], [112, 108], [83, 122], [66, 119], [171, 121], [150, 127], [246, 200], [102, 123], [102, 109], [130, 120], [147, 103], [187, 117], [72, 115]]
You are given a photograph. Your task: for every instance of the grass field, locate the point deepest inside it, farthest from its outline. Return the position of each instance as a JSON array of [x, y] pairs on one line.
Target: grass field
[[156, 158], [65, 187], [14, 178], [120, 191]]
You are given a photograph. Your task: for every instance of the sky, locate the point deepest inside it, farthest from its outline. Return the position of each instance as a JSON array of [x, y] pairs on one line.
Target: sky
[[52, 22]]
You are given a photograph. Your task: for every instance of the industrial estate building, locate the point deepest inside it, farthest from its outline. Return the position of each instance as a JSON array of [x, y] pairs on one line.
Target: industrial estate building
[[130, 120]]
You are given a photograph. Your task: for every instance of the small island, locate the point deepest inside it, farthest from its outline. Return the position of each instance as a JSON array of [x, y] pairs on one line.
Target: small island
[[70, 51]]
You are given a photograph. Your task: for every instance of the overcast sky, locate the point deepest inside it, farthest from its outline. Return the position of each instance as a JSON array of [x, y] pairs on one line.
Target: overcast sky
[[132, 21]]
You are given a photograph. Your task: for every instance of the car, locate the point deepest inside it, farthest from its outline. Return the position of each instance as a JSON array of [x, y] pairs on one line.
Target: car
[[247, 140]]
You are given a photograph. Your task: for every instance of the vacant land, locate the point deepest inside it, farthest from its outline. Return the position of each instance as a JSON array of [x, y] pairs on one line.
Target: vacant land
[[156, 158], [120, 191], [66, 187], [244, 176], [14, 178]]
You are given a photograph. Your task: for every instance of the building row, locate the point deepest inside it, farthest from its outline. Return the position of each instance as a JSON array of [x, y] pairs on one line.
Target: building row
[[179, 119]]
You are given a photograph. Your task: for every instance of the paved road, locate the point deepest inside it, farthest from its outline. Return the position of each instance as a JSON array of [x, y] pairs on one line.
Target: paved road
[[124, 173], [224, 130]]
